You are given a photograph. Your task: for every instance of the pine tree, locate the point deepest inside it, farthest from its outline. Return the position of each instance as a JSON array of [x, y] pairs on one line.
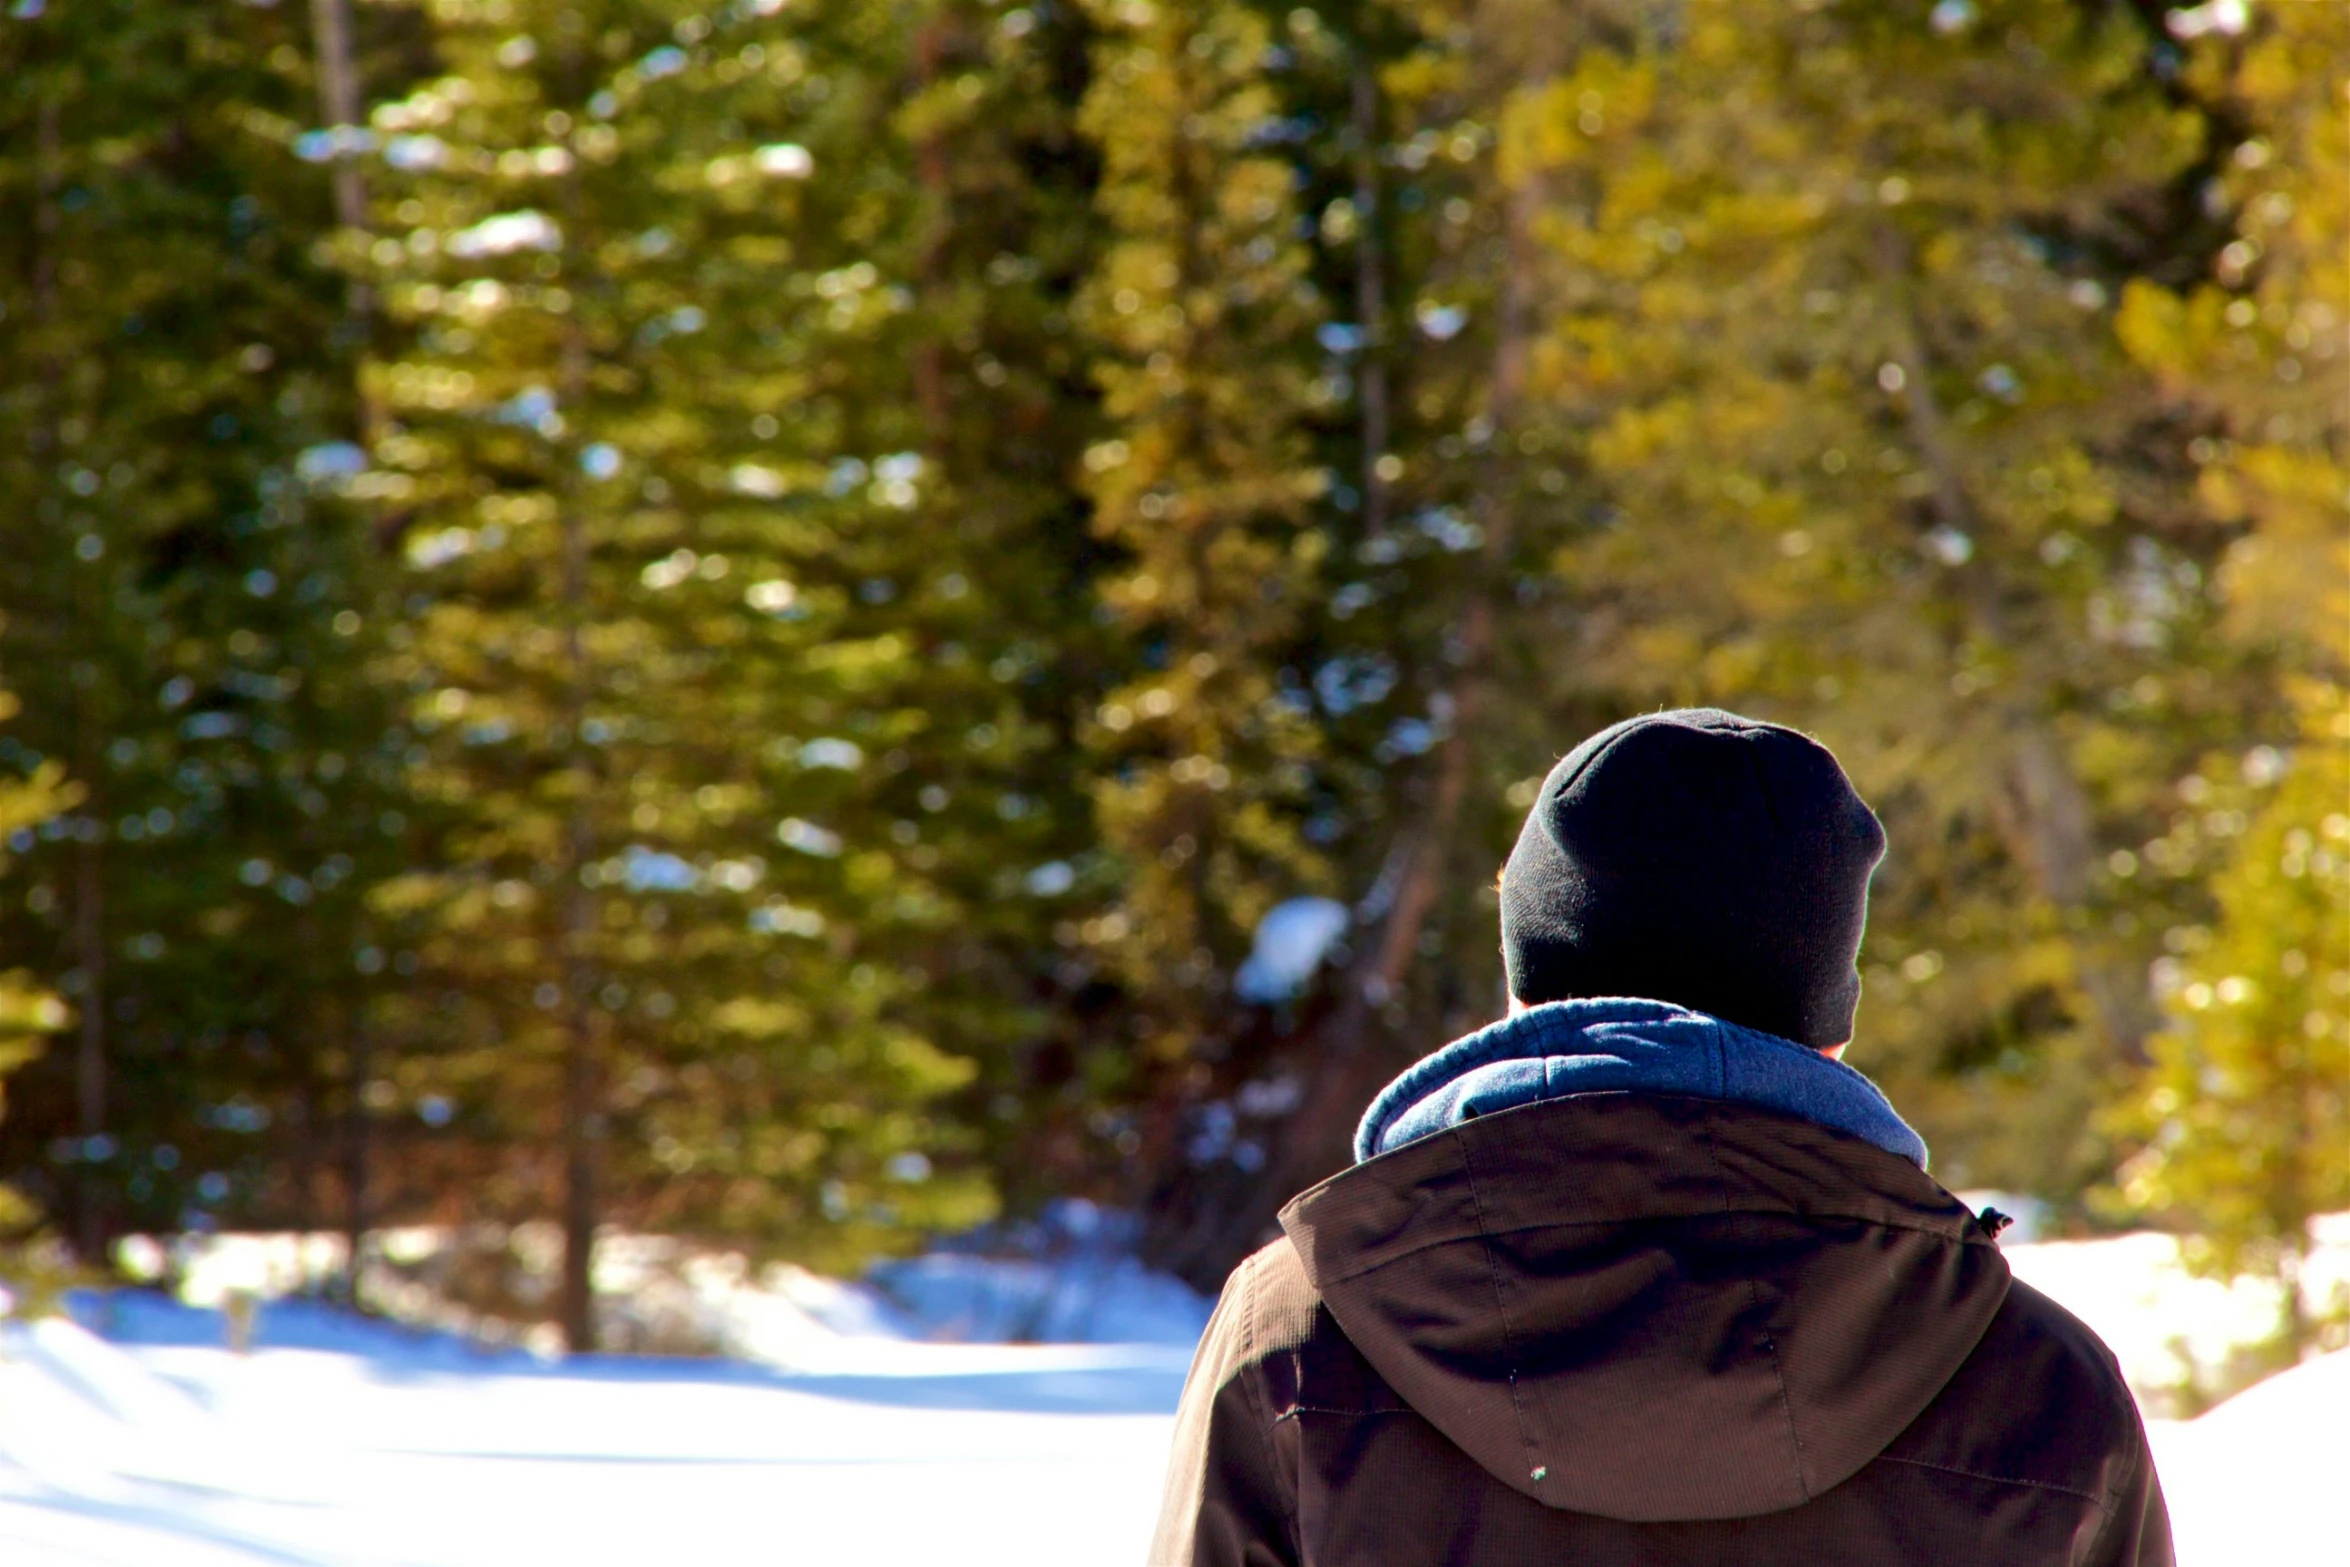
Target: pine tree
[[727, 620], [1466, 494], [1348, 518], [185, 614], [744, 635], [1837, 328], [2244, 1121], [1206, 481], [991, 572]]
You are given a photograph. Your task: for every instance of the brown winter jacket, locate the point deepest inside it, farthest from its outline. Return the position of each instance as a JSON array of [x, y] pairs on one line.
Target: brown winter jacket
[[1644, 1329]]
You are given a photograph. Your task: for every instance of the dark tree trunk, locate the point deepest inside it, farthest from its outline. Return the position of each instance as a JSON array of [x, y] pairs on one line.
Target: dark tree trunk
[[583, 1116]]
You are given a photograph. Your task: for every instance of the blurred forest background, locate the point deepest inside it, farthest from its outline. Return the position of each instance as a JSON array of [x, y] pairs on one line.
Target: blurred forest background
[[729, 619]]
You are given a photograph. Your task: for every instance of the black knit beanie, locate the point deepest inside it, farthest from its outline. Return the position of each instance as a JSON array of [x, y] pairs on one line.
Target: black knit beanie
[[1699, 858]]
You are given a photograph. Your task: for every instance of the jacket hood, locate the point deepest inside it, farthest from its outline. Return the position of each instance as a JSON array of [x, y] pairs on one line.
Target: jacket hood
[[1653, 1306], [1622, 1043]]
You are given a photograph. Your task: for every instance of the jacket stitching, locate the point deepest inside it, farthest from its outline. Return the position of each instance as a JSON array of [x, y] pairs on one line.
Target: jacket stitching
[[1509, 1338], [1704, 1140], [2139, 1453], [2102, 1504], [2111, 1506], [1251, 1379], [1786, 1402]]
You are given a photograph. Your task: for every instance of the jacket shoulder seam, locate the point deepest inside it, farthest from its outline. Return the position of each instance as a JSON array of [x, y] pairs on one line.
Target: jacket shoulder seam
[[2102, 1504], [1252, 1388]]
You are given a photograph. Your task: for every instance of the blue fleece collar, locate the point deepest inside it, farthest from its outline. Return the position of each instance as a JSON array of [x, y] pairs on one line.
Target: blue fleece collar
[[1619, 1044]]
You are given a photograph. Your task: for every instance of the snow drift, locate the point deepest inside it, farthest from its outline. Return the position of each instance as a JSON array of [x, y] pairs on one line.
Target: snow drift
[[131, 1436]]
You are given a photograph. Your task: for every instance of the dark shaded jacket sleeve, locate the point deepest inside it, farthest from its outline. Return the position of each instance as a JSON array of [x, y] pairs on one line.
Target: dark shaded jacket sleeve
[[1229, 1500], [2137, 1524]]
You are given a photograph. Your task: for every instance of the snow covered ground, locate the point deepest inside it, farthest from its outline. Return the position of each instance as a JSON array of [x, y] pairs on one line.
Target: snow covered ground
[[391, 1449], [133, 1437]]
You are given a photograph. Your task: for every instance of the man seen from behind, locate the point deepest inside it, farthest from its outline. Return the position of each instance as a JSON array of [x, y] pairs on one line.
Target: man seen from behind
[[1643, 1273]]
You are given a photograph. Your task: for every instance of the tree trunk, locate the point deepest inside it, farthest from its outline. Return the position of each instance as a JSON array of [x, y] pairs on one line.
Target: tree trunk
[[932, 173], [338, 98], [89, 929], [582, 1132], [1370, 294], [338, 101], [583, 1118], [356, 1217], [89, 940]]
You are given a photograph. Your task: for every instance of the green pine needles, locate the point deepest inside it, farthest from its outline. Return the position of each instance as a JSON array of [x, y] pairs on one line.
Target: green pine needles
[[728, 619]]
